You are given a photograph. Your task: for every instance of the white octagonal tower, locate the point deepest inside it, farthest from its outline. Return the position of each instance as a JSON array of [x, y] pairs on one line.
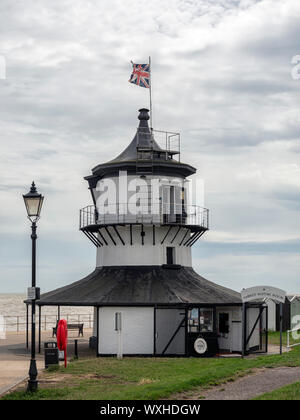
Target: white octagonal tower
[[144, 227], [141, 215]]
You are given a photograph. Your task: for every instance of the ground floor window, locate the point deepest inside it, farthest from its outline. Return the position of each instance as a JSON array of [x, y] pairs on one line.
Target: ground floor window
[[200, 320], [224, 323]]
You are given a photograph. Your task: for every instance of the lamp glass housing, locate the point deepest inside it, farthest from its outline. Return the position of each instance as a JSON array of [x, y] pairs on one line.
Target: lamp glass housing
[[33, 203]]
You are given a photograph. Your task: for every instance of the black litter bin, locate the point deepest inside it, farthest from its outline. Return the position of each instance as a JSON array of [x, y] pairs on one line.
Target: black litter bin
[[51, 353]]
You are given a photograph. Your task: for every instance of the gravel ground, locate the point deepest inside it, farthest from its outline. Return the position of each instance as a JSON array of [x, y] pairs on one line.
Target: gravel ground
[[250, 386]]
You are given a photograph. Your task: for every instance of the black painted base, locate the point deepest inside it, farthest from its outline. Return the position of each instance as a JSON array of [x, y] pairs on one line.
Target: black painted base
[[32, 381], [32, 385]]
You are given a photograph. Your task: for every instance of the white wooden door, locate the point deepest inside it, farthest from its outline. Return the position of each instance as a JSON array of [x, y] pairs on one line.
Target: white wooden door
[[225, 338]]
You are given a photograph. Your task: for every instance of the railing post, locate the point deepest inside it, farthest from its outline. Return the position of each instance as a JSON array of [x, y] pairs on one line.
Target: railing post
[[17, 323]]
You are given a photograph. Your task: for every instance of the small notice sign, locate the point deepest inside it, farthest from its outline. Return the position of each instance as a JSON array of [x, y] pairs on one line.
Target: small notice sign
[[33, 293], [263, 292]]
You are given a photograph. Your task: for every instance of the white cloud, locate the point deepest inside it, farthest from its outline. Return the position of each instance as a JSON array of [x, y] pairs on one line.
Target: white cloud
[[221, 76]]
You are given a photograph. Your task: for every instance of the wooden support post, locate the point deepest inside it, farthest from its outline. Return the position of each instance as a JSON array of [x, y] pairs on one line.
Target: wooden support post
[[154, 330], [186, 331], [243, 330], [97, 335]]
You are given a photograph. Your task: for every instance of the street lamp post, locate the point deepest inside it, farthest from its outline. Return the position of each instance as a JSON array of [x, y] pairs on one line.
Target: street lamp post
[[33, 202]]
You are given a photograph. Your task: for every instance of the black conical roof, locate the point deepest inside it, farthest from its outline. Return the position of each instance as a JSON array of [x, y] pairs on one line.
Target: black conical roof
[[141, 285], [143, 139], [162, 162]]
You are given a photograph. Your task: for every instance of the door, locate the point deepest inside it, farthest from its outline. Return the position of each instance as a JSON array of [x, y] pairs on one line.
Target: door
[[224, 330], [256, 339], [169, 331], [172, 203], [170, 255]]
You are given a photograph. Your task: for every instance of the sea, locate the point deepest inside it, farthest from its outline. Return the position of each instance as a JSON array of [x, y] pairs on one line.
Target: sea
[[13, 313]]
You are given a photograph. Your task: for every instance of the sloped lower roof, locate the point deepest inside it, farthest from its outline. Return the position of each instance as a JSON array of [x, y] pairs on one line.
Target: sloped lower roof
[[148, 285]]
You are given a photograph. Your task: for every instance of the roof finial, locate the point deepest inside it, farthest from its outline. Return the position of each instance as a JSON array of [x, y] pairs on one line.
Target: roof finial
[[33, 187], [144, 114]]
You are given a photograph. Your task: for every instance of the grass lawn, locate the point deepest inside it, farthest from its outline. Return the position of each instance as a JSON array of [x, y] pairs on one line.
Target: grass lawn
[[146, 378], [274, 338], [289, 392]]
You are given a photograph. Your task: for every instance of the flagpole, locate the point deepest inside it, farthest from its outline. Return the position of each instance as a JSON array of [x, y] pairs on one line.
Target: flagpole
[[150, 91]]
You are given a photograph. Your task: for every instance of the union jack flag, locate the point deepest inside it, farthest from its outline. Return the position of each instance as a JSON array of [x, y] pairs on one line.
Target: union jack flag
[[140, 75]]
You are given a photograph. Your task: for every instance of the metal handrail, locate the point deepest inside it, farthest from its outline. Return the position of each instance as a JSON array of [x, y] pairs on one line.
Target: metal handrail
[[45, 321], [168, 141], [165, 213]]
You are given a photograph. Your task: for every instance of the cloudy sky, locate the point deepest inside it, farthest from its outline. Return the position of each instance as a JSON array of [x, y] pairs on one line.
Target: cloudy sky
[[221, 76]]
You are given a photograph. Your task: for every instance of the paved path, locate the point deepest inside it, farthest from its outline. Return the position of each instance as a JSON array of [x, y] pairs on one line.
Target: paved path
[[14, 360], [250, 386], [14, 357]]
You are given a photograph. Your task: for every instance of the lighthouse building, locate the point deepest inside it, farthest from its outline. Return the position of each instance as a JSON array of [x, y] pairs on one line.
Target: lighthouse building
[[143, 289]]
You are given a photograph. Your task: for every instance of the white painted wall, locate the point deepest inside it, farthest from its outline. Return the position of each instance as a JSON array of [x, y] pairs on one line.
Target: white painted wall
[[147, 254], [138, 254], [125, 188], [137, 330], [271, 315]]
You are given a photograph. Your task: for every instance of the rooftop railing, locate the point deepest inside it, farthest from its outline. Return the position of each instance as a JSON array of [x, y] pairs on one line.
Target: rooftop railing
[[168, 141], [160, 214]]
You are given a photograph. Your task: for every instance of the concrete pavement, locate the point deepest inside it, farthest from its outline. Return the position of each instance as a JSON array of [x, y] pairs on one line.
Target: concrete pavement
[[14, 357], [14, 360]]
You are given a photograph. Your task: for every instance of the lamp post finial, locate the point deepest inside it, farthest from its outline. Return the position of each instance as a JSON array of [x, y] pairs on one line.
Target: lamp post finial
[[33, 188]]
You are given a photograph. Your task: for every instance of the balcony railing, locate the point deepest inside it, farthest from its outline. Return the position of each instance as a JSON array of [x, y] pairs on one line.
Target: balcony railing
[[160, 214], [167, 140]]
